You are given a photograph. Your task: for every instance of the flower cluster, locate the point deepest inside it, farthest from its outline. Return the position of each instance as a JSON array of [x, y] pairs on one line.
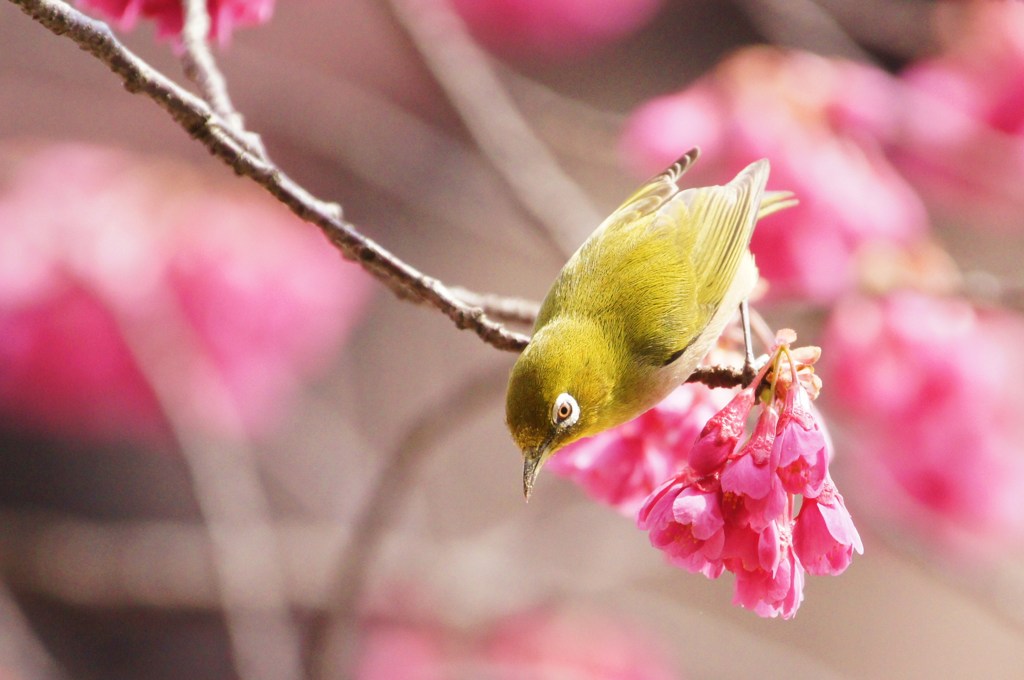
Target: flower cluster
[[734, 508]]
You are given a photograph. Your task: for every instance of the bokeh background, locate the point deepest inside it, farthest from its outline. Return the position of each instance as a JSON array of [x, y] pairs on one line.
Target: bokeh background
[[225, 452]]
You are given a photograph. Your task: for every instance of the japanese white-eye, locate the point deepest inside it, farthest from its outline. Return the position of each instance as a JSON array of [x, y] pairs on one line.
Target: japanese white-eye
[[636, 308]]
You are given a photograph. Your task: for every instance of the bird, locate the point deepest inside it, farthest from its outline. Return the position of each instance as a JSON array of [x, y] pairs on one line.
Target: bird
[[635, 309]]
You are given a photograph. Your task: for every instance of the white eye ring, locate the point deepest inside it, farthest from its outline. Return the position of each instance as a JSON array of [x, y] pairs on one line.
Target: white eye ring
[[565, 411]]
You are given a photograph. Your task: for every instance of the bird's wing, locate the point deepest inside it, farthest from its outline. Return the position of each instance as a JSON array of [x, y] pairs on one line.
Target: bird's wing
[[599, 254], [654, 193], [715, 226]]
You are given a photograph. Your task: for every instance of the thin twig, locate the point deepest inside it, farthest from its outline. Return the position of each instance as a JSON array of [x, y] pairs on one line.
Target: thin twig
[[516, 310], [202, 124], [337, 625], [463, 70], [201, 68]]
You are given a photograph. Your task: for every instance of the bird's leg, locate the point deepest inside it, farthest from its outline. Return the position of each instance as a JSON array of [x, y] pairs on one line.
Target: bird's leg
[[748, 345]]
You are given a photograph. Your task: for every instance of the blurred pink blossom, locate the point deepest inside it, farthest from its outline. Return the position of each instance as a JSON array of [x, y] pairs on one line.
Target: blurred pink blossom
[[622, 466], [544, 643], [95, 242], [765, 102], [736, 512], [401, 653], [930, 389], [526, 645], [553, 28], [225, 15], [961, 135]]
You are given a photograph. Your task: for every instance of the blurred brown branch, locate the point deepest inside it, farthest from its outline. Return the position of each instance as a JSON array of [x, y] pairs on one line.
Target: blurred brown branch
[[128, 563], [221, 138], [464, 71], [19, 647], [226, 484], [336, 626]]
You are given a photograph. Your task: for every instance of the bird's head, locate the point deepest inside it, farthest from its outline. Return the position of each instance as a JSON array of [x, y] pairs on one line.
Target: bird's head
[[558, 392]]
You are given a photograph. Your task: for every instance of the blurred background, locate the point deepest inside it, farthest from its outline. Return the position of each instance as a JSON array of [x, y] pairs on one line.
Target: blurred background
[[225, 452]]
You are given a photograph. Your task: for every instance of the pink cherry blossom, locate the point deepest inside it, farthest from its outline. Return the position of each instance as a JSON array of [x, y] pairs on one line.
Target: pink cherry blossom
[[719, 437], [750, 472], [765, 102], [685, 520], [799, 446], [554, 28], [952, 123], [776, 587], [757, 513], [225, 15], [824, 536], [97, 242], [751, 477], [622, 466], [932, 387]]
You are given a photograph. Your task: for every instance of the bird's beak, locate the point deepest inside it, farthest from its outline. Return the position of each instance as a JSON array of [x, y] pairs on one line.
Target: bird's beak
[[533, 461], [531, 466]]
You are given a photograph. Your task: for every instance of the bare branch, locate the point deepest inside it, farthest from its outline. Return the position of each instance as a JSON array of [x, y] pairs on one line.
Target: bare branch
[[201, 68], [718, 376], [201, 123]]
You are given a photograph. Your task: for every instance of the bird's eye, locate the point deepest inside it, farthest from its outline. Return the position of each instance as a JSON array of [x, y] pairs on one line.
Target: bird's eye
[[566, 411]]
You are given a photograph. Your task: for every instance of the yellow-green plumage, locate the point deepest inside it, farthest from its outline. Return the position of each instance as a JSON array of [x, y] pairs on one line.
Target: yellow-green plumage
[[636, 307]]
